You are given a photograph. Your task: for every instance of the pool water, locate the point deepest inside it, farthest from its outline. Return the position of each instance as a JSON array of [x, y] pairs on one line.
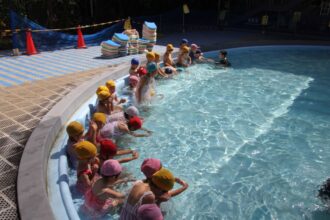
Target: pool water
[[252, 141]]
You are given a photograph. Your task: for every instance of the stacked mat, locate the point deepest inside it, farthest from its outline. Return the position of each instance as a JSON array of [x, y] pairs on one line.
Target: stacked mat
[[133, 41], [110, 49], [149, 32], [122, 40], [143, 45]]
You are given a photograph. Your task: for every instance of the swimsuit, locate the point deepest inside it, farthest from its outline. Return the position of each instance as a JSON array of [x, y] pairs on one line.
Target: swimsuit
[[129, 212], [81, 186], [111, 130], [95, 207]]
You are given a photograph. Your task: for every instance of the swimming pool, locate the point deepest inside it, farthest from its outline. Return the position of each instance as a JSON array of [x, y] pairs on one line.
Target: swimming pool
[[252, 141]]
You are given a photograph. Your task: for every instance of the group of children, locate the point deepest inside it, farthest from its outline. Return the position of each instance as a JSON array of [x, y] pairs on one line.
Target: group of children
[[97, 159]]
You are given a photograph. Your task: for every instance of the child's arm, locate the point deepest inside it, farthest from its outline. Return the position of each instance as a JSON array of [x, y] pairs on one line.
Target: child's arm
[[114, 194], [84, 178], [161, 72], [123, 152], [92, 132], [189, 60], [168, 195], [135, 155], [139, 135], [144, 129], [181, 189]]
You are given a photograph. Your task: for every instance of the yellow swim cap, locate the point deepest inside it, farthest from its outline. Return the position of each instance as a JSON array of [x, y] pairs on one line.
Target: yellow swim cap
[[150, 55], [103, 95], [102, 88], [163, 179], [185, 49], [157, 55], [110, 83], [99, 117], [169, 47], [74, 128], [85, 150]]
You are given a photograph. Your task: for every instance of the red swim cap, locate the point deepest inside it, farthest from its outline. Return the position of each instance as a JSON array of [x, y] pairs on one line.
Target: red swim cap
[[134, 123], [108, 148], [142, 71]]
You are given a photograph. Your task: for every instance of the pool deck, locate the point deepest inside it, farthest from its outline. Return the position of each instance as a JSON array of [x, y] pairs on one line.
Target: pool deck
[[31, 85]]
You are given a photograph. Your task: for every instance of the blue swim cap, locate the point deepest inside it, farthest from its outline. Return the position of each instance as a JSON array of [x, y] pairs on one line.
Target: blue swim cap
[[184, 41], [135, 61], [151, 67]]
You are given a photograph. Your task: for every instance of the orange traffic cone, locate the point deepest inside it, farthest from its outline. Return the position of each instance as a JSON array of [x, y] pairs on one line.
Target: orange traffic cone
[[30, 49], [81, 41]]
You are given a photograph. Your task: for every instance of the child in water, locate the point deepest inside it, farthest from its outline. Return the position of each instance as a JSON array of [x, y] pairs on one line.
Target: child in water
[[133, 71], [184, 59], [109, 150], [167, 58], [324, 192], [149, 167], [105, 104], [95, 125], [145, 89], [88, 165], [101, 198], [111, 85], [223, 59], [75, 132], [160, 71]]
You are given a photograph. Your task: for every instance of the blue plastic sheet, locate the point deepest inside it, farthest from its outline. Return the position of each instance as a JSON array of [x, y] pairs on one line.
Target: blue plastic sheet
[[51, 40]]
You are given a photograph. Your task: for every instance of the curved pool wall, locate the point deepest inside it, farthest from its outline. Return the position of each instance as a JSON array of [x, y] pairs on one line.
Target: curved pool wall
[[32, 188]]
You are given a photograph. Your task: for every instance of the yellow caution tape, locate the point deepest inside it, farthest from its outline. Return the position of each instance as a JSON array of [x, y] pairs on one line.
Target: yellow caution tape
[[61, 29]]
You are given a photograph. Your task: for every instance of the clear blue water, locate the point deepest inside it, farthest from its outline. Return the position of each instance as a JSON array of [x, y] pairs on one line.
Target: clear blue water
[[252, 141]]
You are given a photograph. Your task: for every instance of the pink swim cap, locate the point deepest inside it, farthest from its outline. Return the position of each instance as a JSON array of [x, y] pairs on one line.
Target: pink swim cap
[[133, 79], [150, 166], [149, 212], [111, 168]]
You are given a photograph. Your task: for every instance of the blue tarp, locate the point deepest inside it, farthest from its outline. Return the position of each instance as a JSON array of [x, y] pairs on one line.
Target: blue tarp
[[51, 40]]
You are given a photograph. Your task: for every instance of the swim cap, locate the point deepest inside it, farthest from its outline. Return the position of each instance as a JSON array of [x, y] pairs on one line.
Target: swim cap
[[194, 46], [185, 49], [157, 55], [168, 71], [169, 47], [85, 150], [103, 95], [134, 123], [135, 61], [111, 168], [133, 79], [101, 88], [74, 128], [142, 71], [132, 111], [149, 212], [163, 179], [150, 166], [110, 83], [99, 117], [150, 55], [108, 148], [184, 41], [151, 67]]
